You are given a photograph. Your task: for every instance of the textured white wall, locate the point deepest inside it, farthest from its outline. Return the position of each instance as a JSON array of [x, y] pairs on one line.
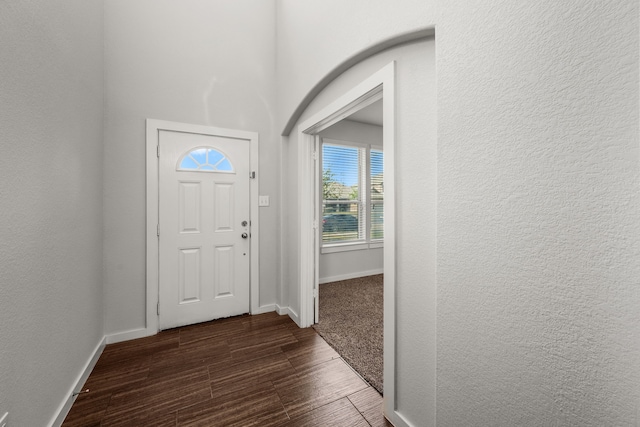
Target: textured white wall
[[537, 209], [538, 227], [51, 97], [352, 263], [195, 61]]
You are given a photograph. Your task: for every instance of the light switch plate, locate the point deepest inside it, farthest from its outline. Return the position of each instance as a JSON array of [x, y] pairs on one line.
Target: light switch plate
[[262, 201]]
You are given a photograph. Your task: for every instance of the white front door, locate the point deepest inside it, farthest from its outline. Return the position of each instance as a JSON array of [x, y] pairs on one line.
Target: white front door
[[204, 213]]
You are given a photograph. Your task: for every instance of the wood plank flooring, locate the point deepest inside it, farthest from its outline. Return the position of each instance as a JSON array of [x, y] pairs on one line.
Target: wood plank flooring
[[243, 371]]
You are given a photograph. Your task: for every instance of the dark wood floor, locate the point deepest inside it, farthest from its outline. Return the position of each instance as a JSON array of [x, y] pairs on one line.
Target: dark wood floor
[[243, 371]]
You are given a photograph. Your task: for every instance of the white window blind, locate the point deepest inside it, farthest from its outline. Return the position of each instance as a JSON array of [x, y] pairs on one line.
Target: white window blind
[[351, 193], [376, 162]]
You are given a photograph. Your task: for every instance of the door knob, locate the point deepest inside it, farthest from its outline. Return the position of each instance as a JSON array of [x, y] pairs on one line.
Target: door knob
[[245, 235]]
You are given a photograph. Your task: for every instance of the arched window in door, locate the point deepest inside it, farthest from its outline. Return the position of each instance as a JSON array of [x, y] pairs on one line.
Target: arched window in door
[[205, 159]]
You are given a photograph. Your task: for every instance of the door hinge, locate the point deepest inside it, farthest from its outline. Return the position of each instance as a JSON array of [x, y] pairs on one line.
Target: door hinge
[[315, 225], [158, 150], [158, 308], [252, 175], [158, 230], [316, 294], [314, 155]]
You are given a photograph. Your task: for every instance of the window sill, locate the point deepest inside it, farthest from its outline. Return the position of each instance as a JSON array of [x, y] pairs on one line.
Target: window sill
[[376, 244], [351, 246]]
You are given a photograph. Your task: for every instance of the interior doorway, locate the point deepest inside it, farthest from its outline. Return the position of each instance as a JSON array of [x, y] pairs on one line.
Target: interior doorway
[[351, 196], [378, 87], [351, 239]]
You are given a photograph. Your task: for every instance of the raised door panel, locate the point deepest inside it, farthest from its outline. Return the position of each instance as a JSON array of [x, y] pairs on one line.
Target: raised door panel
[[190, 200], [224, 271], [189, 275], [224, 207]]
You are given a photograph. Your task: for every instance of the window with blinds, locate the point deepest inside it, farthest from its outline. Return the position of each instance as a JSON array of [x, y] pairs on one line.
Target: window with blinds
[[352, 194]]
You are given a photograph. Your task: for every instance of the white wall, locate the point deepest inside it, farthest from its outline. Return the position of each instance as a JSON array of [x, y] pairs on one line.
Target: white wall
[[194, 61], [538, 224], [537, 204], [362, 262], [51, 97], [350, 264], [315, 36]]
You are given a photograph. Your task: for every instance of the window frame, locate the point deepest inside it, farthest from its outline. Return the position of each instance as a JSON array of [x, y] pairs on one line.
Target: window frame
[[364, 198], [201, 166]]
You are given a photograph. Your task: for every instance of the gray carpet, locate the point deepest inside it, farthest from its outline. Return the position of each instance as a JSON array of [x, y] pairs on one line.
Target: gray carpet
[[351, 322]]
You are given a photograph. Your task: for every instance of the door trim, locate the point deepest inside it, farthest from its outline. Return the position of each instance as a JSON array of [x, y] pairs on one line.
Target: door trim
[[153, 247], [380, 85]]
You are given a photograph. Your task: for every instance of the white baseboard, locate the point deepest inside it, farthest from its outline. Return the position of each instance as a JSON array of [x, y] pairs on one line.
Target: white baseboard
[[282, 310], [350, 276], [131, 334], [289, 312], [65, 407], [264, 309]]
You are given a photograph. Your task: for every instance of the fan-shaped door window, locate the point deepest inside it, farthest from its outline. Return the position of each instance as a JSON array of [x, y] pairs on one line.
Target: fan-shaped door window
[[205, 159]]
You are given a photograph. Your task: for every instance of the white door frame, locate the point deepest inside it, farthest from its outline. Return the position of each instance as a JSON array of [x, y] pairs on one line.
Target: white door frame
[[153, 245], [380, 84]]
